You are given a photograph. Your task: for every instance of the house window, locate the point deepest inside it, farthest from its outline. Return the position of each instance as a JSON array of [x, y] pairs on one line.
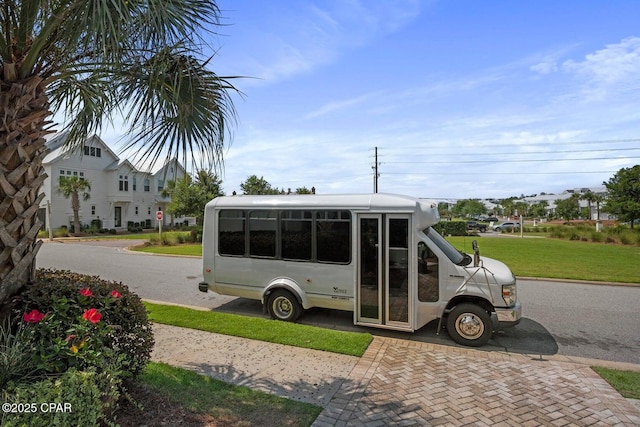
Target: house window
[[93, 209], [133, 183], [148, 210], [147, 185], [123, 183], [160, 185], [92, 151], [69, 173], [136, 210]]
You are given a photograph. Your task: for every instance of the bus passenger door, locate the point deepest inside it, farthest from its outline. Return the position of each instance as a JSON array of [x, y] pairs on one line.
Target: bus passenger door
[[382, 297]]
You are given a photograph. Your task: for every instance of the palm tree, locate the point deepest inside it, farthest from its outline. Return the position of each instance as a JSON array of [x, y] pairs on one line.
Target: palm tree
[[72, 187], [590, 197], [90, 60]]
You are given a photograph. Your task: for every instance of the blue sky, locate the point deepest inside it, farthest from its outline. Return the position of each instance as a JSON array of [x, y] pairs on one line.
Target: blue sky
[[464, 99]]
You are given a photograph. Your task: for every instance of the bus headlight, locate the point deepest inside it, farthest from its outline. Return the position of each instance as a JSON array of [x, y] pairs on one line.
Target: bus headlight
[[509, 294]]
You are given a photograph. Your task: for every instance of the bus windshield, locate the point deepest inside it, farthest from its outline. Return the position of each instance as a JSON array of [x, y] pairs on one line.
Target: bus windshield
[[457, 257]]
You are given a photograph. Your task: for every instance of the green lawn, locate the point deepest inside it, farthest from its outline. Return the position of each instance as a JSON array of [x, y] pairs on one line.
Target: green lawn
[[560, 259], [230, 405], [626, 382], [190, 250], [294, 334]]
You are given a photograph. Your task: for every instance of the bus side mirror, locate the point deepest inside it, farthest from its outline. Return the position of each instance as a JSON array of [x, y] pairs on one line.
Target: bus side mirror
[[476, 253]]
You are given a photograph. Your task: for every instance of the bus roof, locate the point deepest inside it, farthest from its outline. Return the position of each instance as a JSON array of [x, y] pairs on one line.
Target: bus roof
[[426, 210]]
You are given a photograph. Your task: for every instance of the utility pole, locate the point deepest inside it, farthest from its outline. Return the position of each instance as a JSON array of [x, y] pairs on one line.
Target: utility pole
[[376, 174]]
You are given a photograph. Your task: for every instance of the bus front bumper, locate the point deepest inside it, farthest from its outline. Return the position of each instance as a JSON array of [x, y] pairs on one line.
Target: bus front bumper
[[509, 316]]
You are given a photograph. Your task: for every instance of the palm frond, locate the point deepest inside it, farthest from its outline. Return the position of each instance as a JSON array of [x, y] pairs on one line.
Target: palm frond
[[179, 107]]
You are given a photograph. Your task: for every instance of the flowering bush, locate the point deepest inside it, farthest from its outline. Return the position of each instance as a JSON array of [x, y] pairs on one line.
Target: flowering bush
[[81, 321], [89, 395]]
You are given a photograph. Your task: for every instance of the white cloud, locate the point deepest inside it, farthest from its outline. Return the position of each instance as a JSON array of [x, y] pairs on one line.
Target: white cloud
[[317, 36], [337, 106], [613, 64], [546, 67]]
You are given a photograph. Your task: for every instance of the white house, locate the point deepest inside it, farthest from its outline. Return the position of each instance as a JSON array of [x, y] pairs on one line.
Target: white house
[[121, 196], [551, 199]]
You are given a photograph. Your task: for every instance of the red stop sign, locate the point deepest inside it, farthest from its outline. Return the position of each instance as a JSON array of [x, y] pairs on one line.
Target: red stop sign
[[159, 215]]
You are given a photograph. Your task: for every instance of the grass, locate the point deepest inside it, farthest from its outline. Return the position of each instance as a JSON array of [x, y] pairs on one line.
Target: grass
[[187, 250], [294, 334], [560, 259], [226, 403], [626, 382]]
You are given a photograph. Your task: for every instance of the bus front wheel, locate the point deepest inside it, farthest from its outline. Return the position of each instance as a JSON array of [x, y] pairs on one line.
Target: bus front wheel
[[283, 305], [469, 324]]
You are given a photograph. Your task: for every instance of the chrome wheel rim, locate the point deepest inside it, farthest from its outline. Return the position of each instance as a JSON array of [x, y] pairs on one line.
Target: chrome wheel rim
[[282, 307], [469, 326]]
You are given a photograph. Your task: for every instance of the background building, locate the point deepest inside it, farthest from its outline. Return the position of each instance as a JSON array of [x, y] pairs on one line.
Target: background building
[[121, 196]]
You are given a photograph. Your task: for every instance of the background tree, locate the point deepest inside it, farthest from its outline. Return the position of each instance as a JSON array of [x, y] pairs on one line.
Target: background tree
[[508, 206], [623, 198], [522, 209], [444, 210], [189, 197], [255, 185], [89, 60], [469, 208], [590, 197], [72, 186], [568, 209], [539, 209], [303, 190]]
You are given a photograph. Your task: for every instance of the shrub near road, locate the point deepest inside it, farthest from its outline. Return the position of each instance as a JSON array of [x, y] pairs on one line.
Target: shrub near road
[[76, 339]]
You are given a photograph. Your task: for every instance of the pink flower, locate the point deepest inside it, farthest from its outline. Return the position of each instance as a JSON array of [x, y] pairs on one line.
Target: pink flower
[[115, 294], [92, 315], [70, 337], [86, 292], [34, 316]]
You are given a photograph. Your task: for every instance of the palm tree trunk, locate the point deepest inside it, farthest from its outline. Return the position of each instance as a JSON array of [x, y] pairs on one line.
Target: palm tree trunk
[[75, 207], [22, 148]]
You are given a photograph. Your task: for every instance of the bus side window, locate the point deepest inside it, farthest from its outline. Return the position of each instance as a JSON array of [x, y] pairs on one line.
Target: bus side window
[[333, 236], [428, 289], [263, 228], [231, 229]]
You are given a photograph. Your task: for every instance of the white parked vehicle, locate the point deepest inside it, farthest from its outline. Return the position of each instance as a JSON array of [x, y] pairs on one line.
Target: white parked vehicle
[[376, 255]]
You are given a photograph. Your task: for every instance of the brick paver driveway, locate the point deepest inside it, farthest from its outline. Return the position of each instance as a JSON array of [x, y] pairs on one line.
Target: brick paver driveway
[[401, 382]]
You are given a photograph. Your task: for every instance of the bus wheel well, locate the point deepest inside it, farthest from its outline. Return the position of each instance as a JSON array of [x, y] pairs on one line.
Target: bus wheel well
[[273, 289], [470, 300]]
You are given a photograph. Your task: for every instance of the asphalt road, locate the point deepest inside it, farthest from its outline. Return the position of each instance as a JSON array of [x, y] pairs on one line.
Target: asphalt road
[[586, 320]]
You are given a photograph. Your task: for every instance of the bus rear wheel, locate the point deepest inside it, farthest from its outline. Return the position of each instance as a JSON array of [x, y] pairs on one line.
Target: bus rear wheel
[[283, 305], [469, 324]]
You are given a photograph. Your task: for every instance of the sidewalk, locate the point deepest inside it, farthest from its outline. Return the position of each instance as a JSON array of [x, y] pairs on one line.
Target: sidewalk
[[399, 382]]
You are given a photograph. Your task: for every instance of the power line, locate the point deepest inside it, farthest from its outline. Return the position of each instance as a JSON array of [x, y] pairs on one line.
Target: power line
[[516, 145], [431, 153], [513, 161], [500, 173]]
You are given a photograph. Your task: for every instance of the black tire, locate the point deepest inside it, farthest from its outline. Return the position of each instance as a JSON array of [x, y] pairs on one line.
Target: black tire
[[470, 325], [498, 229], [282, 305]]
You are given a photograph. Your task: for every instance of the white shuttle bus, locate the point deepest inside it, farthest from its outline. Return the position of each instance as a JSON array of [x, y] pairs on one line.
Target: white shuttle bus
[[375, 255]]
